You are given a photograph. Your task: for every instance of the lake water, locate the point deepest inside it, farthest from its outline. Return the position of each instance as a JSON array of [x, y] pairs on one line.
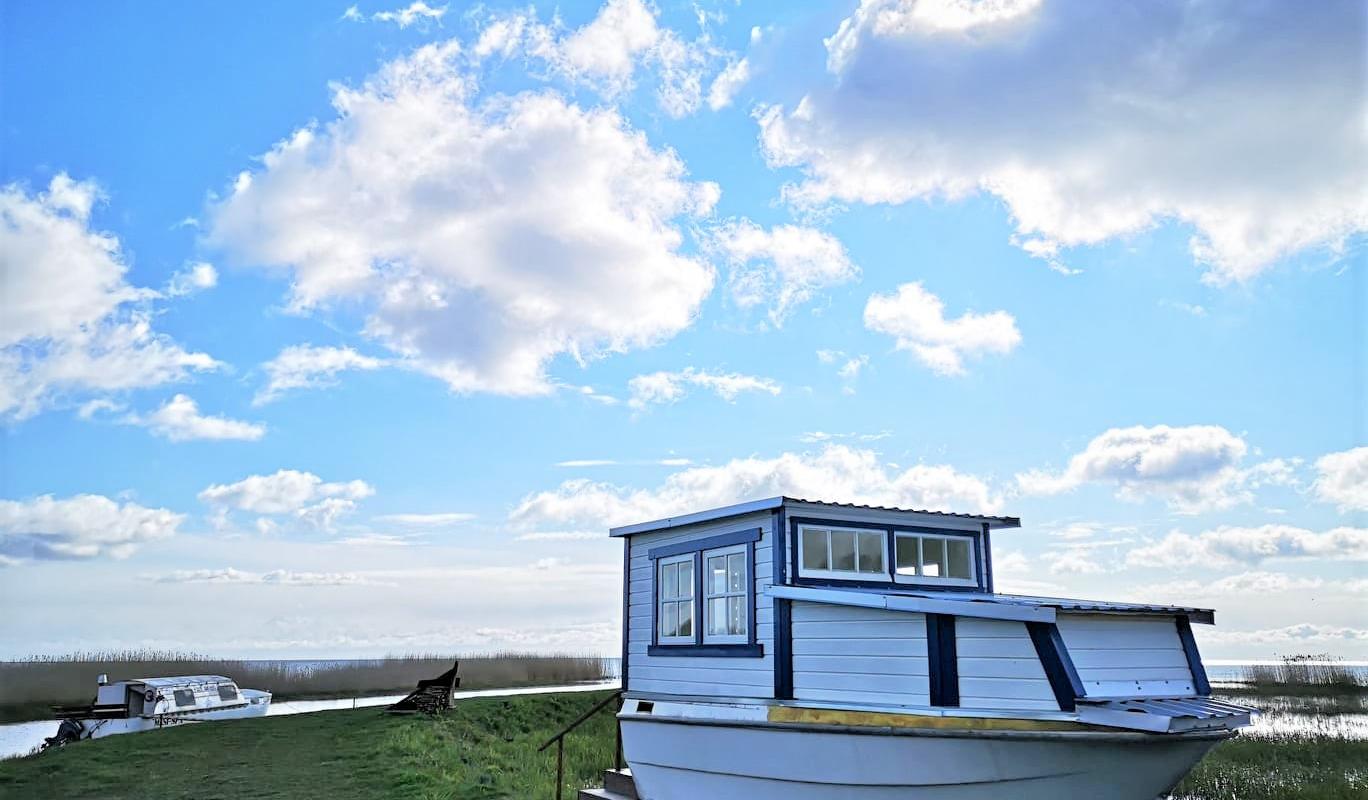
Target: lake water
[[19, 738]]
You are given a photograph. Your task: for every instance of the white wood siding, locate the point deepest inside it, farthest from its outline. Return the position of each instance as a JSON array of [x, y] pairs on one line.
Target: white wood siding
[[859, 655], [690, 675], [1120, 656], [999, 668]]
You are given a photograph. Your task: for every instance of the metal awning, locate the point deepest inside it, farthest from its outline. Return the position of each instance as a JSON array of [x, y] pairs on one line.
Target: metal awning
[[1169, 715]]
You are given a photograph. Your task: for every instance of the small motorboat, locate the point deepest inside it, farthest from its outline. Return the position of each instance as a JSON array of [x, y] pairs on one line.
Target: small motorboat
[[142, 704]]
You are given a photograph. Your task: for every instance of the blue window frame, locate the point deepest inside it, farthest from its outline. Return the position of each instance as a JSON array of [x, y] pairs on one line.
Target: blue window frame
[[711, 583]]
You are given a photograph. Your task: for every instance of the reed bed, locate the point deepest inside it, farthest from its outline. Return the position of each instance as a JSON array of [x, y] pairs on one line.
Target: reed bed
[[1322, 673], [39, 681]]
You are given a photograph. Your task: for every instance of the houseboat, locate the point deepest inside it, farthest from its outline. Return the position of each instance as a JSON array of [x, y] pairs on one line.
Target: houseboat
[[787, 649], [142, 704]]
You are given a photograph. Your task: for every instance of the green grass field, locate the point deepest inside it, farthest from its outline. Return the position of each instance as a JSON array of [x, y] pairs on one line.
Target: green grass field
[[487, 748]]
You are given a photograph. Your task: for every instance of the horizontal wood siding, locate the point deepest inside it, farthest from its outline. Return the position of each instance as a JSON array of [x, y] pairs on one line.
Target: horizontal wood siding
[[999, 667], [716, 677], [847, 654], [1112, 653]]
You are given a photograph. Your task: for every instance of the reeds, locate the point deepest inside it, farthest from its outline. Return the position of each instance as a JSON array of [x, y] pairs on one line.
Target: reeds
[[1303, 671], [43, 680]]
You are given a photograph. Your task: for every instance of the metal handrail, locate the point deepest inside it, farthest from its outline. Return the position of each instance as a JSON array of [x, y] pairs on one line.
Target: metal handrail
[[559, 740]]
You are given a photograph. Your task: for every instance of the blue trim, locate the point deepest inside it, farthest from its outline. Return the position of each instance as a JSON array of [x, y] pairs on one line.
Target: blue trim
[[1059, 667], [750, 593], [943, 660], [698, 599], [626, 606], [712, 542], [1194, 658], [783, 614], [707, 650], [987, 546]]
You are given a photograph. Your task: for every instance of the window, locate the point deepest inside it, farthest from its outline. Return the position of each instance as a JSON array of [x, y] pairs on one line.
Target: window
[[725, 590], [227, 691], [185, 697], [928, 558], [675, 614], [842, 553]]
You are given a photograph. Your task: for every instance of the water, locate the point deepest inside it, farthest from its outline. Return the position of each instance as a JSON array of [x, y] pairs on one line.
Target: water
[[20, 738]]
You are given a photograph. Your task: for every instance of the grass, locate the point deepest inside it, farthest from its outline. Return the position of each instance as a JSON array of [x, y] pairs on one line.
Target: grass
[[29, 686], [1299, 767], [1300, 675], [486, 748]]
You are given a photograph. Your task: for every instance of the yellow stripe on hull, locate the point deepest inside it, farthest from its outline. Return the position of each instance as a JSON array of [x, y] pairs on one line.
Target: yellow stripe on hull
[[882, 719]]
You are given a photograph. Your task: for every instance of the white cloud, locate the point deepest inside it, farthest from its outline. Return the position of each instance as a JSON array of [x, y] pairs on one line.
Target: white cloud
[[1243, 584], [782, 267], [667, 387], [727, 83], [836, 473], [822, 437], [437, 520], [285, 492], [180, 420], [303, 366], [415, 12], [1153, 115], [1301, 634], [587, 462], [606, 52], [275, 577], [84, 526], [72, 324], [916, 319], [1230, 545], [561, 536], [1343, 479], [353, 14], [1194, 467], [194, 278], [483, 237]]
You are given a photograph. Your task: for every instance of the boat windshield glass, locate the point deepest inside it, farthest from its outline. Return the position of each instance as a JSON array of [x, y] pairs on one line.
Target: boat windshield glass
[[227, 691], [185, 697]]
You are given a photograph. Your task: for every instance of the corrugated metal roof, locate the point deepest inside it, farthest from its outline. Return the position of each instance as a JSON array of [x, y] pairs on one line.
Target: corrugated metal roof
[[769, 503]]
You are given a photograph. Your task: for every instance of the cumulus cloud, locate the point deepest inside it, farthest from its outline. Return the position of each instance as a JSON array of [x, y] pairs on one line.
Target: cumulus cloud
[[416, 12], [1231, 545], [483, 236], [782, 267], [1193, 468], [179, 419], [916, 319], [303, 366], [71, 322], [287, 491], [84, 526], [667, 387], [1300, 634], [194, 278], [1095, 121], [727, 83], [1343, 479], [837, 473], [606, 52], [275, 577]]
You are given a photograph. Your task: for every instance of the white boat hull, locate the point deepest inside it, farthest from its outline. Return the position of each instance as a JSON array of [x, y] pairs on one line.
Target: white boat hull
[[724, 759], [256, 705]]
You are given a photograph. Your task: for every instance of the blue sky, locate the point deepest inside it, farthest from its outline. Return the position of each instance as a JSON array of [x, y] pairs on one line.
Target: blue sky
[[341, 331]]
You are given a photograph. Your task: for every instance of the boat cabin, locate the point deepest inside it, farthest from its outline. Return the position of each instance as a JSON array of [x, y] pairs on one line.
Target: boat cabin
[[147, 697], [788, 601]]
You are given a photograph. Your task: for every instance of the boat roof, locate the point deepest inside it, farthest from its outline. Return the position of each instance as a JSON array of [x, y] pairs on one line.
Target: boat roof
[[181, 680], [770, 503], [981, 604]]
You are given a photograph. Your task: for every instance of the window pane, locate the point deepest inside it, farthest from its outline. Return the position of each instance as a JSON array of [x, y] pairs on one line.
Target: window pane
[[736, 615], [843, 551], [717, 615], [933, 558], [814, 549], [669, 581], [907, 555], [717, 574], [871, 552], [686, 619], [669, 619], [686, 582], [959, 566], [736, 572]]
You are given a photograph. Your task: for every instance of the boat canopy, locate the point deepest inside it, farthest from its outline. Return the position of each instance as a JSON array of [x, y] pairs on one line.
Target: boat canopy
[[1022, 608], [180, 680]]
